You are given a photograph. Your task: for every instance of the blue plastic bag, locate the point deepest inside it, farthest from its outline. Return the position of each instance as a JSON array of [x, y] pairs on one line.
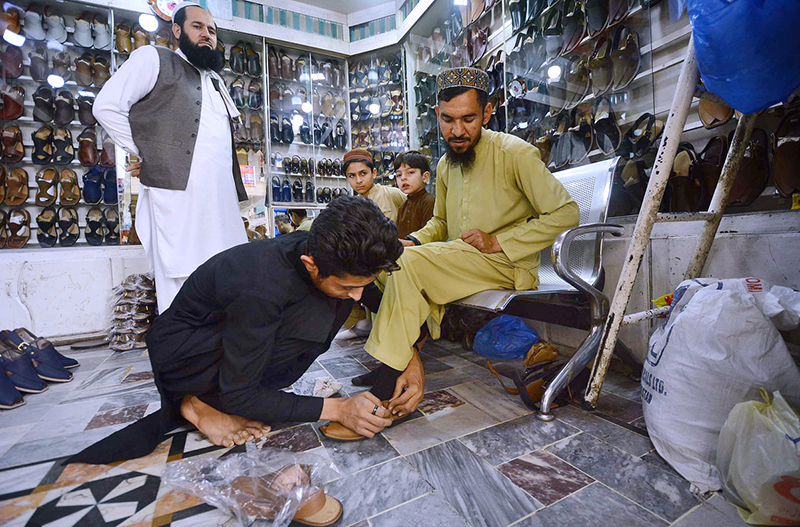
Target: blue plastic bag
[[505, 337], [747, 50]]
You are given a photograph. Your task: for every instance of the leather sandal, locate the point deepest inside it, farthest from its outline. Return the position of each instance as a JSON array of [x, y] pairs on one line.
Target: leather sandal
[[123, 38], [274, 128], [11, 60], [625, 57], [13, 149], [641, 136], [85, 105], [33, 27], [68, 226], [309, 191], [3, 174], [69, 192], [237, 93], [56, 28], [94, 226], [47, 187], [606, 130], [163, 36], [574, 24], [786, 155], [38, 68], [62, 65], [110, 195], [577, 83], [596, 16], [44, 108], [714, 114], [19, 231], [44, 344], [751, 179], [601, 67], [685, 186], [256, 128], [92, 189], [111, 222], [297, 190], [64, 108], [47, 233], [286, 191], [561, 149], [13, 102], [272, 64], [339, 432], [102, 33], [287, 132], [253, 61], [581, 135], [108, 157], [255, 98], [100, 70], [16, 187], [64, 152], [87, 147], [83, 70], [141, 37], [287, 66]]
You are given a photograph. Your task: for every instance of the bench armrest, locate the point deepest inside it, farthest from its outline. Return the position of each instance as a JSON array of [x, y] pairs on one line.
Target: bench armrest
[[560, 255]]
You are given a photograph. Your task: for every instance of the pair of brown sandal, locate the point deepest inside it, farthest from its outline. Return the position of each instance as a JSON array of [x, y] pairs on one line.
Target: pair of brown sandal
[[13, 101], [15, 230], [91, 69], [13, 186], [126, 44], [51, 185], [13, 149]]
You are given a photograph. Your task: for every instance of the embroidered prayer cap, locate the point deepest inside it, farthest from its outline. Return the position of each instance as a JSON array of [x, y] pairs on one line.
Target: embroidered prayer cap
[[358, 154], [184, 5], [463, 78]]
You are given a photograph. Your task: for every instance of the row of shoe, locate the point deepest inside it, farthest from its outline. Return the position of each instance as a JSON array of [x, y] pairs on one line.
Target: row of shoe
[[130, 38], [375, 73], [301, 166], [52, 184], [384, 162], [90, 31], [133, 310], [285, 192], [381, 104], [379, 136], [243, 59], [55, 146], [282, 66], [324, 133], [254, 99], [27, 362], [49, 106], [444, 39], [251, 130], [579, 18], [99, 224]]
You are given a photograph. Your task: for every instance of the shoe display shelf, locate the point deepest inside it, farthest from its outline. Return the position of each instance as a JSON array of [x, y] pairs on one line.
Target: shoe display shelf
[[51, 75], [377, 107], [308, 129]]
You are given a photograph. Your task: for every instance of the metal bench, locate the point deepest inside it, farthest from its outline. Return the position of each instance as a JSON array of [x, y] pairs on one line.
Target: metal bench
[[569, 292]]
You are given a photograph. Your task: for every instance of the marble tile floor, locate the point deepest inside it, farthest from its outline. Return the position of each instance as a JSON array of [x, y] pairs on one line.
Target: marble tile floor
[[471, 456]]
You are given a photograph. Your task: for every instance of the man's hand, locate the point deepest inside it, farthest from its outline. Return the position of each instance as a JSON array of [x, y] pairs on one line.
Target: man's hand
[[482, 241], [407, 243], [134, 169], [412, 380], [356, 413]]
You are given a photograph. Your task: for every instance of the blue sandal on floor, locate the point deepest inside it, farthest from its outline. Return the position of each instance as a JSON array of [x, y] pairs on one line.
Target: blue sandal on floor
[[20, 371], [45, 361], [33, 340], [9, 396]]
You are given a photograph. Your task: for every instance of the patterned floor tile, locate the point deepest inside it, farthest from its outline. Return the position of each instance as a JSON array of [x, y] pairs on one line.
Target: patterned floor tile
[[352, 456], [544, 476], [714, 512], [619, 407], [431, 511], [439, 400], [475, 489], [377, 489], [432, 365], [609, 432], [482, 396], [142, 376], [657, 490], [341, 367], [297, 439], [20, 479], [116, 417], [593, 506], [512, 439]]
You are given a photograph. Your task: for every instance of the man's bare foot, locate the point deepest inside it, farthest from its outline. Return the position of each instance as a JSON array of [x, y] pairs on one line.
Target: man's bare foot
[[221, 429]]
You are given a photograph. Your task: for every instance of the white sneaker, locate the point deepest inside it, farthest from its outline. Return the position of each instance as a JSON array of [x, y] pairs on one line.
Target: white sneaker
[[33, 23], [56, 28], [83, 31]]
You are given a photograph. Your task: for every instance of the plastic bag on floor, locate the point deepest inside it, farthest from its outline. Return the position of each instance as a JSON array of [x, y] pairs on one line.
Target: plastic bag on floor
[[759, 459], [268, 484], [505, 337], [719, 344]]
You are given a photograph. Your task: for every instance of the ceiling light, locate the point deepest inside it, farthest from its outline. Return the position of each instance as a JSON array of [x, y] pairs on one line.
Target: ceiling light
[[148, 22], [15, 39], [554, 72], [56, 81]]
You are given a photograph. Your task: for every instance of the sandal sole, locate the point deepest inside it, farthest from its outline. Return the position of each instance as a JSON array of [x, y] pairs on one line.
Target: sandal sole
[[5, 407], [51, 379]]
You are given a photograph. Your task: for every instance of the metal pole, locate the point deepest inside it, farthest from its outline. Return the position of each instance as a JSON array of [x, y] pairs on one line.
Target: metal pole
[[744, 129], [676, 121]]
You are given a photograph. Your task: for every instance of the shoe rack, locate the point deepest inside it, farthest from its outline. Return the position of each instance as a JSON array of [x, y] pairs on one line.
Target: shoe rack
[[33, 72], [378, 112]]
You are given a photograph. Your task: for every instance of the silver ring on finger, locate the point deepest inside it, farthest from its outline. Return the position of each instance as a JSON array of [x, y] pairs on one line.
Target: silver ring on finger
[[375, 410]]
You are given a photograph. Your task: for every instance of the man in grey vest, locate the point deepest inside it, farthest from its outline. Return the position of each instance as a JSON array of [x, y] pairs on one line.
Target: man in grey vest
[[172, 110]]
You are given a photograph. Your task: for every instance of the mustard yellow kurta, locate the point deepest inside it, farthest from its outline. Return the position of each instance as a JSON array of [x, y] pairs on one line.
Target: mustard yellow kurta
[[508, 193], [388, 199], [305, 224]]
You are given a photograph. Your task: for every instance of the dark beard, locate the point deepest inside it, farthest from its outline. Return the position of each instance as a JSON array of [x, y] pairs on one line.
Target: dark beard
[[201, 58], [463, 160]]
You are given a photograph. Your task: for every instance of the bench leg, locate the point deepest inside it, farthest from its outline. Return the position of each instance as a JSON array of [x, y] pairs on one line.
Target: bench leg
[[571, 369]]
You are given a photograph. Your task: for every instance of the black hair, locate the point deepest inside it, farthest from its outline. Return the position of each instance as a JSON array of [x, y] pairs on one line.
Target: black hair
[[300, 212], [449, 93], [353, 237], [180, 17], [413, 159], [369, 162]]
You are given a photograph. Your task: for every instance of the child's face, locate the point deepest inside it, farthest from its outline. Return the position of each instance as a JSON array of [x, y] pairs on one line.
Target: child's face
[[360, 177], [410, 180]]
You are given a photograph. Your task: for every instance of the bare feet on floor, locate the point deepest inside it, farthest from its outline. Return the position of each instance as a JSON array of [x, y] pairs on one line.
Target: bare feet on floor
[[221, 429]]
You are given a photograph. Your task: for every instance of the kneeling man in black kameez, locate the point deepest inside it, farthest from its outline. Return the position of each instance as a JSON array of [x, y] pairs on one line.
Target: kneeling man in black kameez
[[250, 321]]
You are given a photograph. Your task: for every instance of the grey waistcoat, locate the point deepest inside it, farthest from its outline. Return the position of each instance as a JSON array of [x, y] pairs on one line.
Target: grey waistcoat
[[165, 124]]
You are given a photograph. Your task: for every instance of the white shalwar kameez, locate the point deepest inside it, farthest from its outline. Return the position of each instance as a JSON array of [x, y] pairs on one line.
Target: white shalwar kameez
[[179, 229]]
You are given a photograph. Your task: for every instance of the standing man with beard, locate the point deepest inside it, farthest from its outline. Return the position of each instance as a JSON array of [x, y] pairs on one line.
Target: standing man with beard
[[172, 110], [497, 206]]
